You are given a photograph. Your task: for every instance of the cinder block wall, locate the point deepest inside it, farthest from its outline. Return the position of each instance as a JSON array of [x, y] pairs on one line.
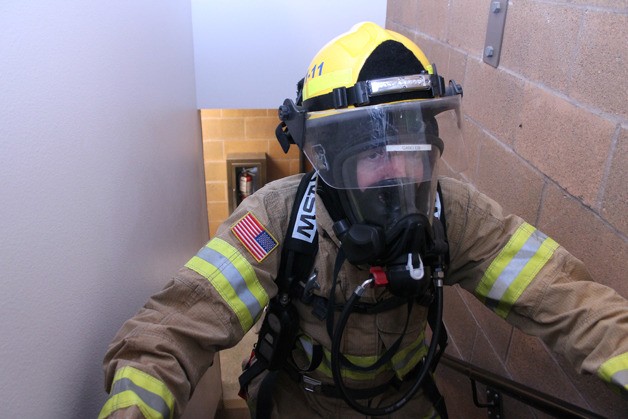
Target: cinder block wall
[[235, 131], [546, 137]]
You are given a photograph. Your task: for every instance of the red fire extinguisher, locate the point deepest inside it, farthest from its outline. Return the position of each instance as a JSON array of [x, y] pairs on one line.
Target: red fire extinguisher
[[246, 183]]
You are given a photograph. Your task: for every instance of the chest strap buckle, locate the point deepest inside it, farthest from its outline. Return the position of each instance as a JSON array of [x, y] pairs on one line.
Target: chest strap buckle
[[311, 385]]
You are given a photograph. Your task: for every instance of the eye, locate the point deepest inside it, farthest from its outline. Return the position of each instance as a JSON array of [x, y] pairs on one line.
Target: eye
[[375, 154]]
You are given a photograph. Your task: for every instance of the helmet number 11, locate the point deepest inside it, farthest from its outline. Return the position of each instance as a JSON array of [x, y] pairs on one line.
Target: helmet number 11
[[313, 72]]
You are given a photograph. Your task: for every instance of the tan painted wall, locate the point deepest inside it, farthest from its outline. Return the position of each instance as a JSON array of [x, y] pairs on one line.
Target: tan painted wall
[[234, 131], [546, 136]]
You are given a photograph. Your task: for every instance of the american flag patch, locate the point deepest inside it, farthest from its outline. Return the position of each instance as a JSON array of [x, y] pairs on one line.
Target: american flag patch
[[254, 237]]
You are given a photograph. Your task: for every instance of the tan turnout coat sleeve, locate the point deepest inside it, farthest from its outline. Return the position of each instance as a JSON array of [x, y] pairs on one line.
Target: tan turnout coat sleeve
[[551, 296], [174, 337], [159, 355]]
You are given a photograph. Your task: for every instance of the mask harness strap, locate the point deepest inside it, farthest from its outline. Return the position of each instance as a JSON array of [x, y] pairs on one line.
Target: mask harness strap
[[277, 337]]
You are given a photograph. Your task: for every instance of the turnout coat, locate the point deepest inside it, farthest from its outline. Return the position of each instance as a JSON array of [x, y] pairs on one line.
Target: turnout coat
[[525, 277]]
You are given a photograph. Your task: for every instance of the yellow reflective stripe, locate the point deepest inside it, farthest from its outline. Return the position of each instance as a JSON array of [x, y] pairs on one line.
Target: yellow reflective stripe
[[501, 261], [362, 361], [233, 277], [321, 84], [409, 357], [433, 414], [615, 371], [128, 399], [132, 387], [518, 263], [402, 362]]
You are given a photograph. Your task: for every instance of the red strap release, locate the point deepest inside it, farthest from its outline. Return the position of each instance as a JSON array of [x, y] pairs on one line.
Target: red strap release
[[379, 276]]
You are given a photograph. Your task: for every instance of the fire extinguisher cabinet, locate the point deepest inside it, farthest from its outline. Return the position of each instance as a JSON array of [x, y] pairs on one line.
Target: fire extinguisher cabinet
[[246, 173]]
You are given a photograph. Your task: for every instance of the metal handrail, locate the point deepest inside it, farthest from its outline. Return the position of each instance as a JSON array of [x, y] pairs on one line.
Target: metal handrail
[[534, 398]]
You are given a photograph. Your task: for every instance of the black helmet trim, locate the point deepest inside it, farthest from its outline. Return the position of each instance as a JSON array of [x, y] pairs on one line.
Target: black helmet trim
[[389, 89]]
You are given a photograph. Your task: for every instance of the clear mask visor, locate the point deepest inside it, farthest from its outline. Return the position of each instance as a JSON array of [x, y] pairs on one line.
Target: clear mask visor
[[408, 163], [358, 148]]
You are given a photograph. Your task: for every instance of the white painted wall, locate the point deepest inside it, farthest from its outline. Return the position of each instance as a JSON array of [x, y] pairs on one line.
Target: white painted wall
[[251, 54], [101, 186], [101, 177]]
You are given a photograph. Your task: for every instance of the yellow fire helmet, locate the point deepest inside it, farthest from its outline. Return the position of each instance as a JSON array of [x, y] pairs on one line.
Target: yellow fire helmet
[[364, 67], [340, 62], [369, 116]]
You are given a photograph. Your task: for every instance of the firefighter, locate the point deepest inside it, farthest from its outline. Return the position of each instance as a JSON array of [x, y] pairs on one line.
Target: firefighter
[[373, 117]]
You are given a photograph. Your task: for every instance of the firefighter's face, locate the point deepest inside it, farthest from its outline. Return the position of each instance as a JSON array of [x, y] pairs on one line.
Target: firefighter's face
[[376, 165]]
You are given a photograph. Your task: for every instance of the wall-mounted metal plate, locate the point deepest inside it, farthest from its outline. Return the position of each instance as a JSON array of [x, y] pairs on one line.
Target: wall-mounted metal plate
[[495, 31]]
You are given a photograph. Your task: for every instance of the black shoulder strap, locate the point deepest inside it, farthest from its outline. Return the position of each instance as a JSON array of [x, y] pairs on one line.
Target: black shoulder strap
[[440, 226], [297, 259], [301, 241]]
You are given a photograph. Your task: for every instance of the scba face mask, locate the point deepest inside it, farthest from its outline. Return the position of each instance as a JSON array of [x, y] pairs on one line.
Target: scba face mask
[[382, 162]]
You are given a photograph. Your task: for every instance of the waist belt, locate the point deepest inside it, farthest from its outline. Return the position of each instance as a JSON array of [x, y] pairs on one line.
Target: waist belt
[[430, 390], [315, 386]]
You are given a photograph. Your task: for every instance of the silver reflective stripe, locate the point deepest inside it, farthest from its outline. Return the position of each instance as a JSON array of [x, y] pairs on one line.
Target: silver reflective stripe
[[514, 268], [620, 378], [399, 84], [234, 277], [308, 347], [405, 361], [151, 399]]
